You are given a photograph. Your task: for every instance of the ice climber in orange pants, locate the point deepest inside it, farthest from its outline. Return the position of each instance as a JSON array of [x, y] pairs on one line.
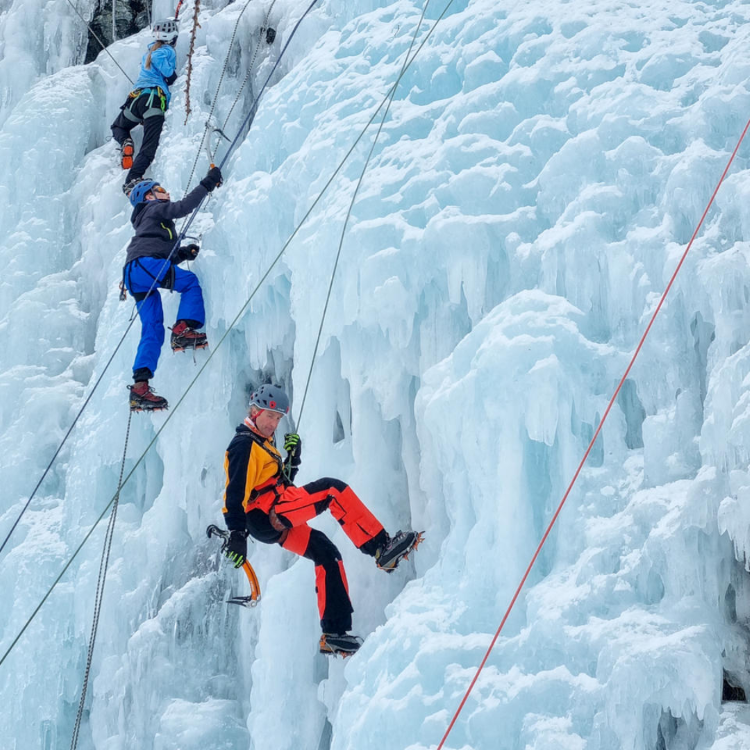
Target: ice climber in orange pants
[[261, 500]]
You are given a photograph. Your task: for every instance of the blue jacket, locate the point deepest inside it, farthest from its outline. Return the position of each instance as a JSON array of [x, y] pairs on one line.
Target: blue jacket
[[155, 232], [163, 62]]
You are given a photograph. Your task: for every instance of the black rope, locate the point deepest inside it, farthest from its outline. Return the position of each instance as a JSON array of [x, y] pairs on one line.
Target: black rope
[[158, 275], [101, 44], [109, 535], [222, 339], [351, 206], [247, 75], [216, 95]]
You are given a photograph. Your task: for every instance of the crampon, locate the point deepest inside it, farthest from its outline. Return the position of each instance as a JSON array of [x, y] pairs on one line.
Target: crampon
[[343, 645], [397, 549]]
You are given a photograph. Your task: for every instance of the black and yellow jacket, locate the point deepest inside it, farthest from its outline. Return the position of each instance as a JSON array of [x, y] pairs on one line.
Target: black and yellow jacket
[[251, 463]]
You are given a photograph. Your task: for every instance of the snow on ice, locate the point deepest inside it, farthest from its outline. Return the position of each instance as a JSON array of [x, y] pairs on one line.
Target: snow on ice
[[540, 171]]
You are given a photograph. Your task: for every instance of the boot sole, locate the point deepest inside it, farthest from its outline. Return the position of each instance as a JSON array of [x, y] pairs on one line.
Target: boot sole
[[148, 408], [189, 348], [328, 650], [342, 654], [127, 156]]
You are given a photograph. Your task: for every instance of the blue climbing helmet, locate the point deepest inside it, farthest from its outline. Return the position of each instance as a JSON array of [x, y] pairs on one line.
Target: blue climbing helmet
[[271, 397], [138, 193]]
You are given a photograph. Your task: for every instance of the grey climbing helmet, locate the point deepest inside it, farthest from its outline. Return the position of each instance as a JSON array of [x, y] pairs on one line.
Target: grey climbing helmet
[[271, 397]]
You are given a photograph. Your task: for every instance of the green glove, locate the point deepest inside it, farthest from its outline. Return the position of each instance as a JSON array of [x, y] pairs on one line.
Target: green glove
[[293, 447]]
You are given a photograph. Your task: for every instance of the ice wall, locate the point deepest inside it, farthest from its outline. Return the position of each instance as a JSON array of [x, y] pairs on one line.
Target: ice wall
[[542, 167]]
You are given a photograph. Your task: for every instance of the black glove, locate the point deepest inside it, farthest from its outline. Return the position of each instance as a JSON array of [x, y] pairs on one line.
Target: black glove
[[171, 79], [188, 252], [236, 549], [293, 448], [212, 180]]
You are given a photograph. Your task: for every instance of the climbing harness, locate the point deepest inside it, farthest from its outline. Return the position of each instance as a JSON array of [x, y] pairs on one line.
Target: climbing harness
[[151, 110], [233, 323], [108, 536], [101, 44], [242, 601], [351, 205]]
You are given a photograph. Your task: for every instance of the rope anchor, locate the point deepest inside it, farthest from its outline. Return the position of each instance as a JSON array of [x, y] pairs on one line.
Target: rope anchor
[[242, 601]]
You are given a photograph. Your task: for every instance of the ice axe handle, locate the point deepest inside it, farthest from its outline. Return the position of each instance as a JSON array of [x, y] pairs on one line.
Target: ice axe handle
[[243, 601]]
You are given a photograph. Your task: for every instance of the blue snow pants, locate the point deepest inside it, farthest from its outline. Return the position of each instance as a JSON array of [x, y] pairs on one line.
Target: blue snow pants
[[140, 274]]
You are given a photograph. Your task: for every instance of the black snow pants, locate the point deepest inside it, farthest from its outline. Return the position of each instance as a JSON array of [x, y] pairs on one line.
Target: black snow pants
[[148, 110]]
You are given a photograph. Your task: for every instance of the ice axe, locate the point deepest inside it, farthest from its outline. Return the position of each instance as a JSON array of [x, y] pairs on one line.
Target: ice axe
[[243, 601], [214, 131]]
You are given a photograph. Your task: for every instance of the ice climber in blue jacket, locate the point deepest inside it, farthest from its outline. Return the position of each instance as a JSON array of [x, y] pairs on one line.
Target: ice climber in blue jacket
[[147, 104], [151, 264]]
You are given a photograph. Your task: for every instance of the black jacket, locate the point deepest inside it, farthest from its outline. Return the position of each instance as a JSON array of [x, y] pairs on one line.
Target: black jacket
[[155, 232], [252, 461]]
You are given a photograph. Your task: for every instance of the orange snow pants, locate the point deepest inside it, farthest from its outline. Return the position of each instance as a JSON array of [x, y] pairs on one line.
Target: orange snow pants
[[293, 508]]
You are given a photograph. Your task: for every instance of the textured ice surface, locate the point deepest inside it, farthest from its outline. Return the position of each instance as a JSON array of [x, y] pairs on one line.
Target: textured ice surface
[[541, 170]]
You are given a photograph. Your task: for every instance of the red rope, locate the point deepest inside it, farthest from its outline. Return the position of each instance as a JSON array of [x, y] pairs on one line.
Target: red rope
[[593, 440]]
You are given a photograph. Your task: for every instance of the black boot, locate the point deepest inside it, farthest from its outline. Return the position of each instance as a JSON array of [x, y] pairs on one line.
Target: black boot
[[397, 549], [339, 644]]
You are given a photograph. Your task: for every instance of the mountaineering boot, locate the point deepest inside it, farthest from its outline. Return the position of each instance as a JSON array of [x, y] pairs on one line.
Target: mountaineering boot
[[397, 549], [185, 337], [339, 644], [126, 153], [127, 187], [143, 398]]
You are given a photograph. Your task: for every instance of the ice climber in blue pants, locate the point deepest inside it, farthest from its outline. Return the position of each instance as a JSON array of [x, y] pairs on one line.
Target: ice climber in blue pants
[[150, 264]]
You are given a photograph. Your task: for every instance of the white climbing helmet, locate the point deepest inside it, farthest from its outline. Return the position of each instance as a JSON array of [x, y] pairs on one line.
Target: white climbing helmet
[[165, 30]]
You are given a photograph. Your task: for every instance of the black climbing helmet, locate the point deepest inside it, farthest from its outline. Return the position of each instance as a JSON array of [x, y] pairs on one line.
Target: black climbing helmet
[[271, 397]]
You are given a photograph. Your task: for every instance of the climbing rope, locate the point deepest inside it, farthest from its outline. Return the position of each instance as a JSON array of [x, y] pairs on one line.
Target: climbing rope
[[101, 44], [247, 74], [351, 206], [108, 536], [216, 95], [166, 263], [194, 31], [593, 440], [222, 339]]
